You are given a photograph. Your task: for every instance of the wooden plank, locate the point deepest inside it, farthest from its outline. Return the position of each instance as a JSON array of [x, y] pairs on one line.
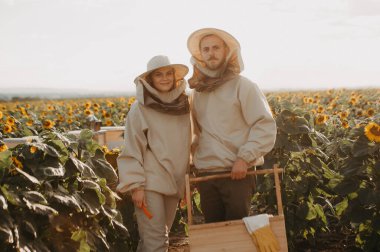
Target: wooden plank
[[227, 175], [231, 236]]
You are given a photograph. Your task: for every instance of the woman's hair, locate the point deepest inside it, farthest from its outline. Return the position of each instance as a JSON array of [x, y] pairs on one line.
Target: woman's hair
[[149, 78]]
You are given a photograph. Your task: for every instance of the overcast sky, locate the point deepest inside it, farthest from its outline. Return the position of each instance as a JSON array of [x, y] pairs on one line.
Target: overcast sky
[[104, 44]]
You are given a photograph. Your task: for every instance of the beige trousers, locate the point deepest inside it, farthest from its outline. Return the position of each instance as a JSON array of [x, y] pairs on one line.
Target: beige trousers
[[154, 233]]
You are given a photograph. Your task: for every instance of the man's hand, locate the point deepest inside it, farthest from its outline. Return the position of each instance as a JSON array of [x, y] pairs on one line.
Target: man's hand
[[138, 198], [239, 169]]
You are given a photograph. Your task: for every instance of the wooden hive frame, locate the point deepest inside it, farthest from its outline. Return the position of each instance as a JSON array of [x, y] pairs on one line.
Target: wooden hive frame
[[232, 235]]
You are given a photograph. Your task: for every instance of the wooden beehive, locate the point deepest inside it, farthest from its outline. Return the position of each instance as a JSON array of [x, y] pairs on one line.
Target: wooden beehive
[[232, 235]]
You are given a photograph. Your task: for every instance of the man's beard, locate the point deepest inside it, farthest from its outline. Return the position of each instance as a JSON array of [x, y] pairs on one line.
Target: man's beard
[[213, 66]]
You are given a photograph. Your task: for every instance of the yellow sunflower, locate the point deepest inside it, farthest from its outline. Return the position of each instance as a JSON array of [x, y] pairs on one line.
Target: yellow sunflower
[[109, 122], [7, 129], [1, 115], [69, 120], [3, 147], [87, 112], [10, 121], [17, 162], [320, 109], [321, 119], [96, 105], [110, 104], [345, 124], [370, 112], [48, 124], [87, 105], [372, 132], [29, 122], [33, 149], [343, 115]]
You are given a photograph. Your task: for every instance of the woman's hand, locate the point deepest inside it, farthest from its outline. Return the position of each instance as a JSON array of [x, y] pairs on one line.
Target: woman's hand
[[138, 197]]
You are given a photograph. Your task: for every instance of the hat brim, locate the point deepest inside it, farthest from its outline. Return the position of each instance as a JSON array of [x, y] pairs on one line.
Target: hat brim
[[180, 71], [195, 38]]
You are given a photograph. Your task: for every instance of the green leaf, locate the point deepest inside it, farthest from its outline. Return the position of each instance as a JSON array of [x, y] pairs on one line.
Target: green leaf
[[35, 197], [40, 209], [67, 200], [61, 148], [361, 147], [33, 180], [341, 207], [78, 235], [312, 213], [11, 196], [103, 169], [3, 203], [5, 160], [74, 165], [320, 213]]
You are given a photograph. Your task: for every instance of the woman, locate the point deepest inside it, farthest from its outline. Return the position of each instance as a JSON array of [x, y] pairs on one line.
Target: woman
[[155, 157]]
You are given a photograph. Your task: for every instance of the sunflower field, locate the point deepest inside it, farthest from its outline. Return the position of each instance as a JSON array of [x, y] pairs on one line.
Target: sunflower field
[[57, 192]]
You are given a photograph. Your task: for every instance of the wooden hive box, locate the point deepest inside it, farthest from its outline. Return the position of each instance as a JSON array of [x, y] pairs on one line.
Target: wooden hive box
[[232, 235]]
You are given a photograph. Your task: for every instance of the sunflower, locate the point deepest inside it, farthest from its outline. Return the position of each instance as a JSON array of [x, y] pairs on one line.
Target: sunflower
[[23, 111], [27, 106], [48, 124], [345, 124], [33, 149], [69, 120], [50, 107], [29, 123], [343, 115], [106, 115], [87, 112], [353, 100], [7, 129], [131, 100], [17, 162], [372, 132], [96, 105], [61, 118], [321, 119], [320, 109], [3, 147], [304, 99], [110, 104], [87, 105], [1, 115], [359, 113], [310, 100], [10, 121], [370, 112], [109, 122]]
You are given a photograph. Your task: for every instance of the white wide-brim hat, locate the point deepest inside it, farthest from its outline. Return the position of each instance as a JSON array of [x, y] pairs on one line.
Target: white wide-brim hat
[[160, 61], [195, 38]]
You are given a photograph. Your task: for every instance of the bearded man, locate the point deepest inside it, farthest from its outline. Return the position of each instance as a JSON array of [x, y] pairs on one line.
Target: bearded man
[[233, 127]]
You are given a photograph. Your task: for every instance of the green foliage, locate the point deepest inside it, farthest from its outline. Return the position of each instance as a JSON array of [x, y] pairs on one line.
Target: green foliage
[[55, 196]]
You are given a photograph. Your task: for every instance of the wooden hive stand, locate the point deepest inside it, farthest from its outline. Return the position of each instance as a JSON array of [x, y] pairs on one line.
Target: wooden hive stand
[[232, 235]]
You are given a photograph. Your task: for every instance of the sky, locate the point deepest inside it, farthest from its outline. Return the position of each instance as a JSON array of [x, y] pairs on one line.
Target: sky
[[105, 44]]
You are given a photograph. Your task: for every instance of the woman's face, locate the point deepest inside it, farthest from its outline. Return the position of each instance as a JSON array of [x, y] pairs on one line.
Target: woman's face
[[163, 79]]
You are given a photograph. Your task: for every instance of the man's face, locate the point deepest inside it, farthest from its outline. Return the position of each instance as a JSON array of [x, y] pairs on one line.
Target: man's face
[[213, 51]]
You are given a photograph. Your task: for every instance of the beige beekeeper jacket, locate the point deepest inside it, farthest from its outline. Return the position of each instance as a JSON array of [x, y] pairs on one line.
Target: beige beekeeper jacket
[[232, 121], [157, 146]]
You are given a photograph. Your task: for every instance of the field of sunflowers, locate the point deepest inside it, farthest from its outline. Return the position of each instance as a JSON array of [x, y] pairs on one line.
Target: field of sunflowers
[[57, 192]]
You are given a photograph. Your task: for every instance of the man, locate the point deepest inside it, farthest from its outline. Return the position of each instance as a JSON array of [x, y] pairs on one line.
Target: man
[[232, 123]]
